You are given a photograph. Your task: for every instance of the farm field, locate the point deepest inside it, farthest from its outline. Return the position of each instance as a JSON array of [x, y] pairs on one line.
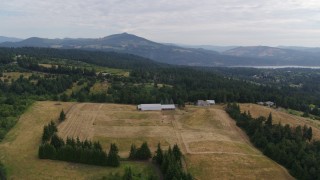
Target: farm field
[[282, 117], [19, 150], [213, 146]]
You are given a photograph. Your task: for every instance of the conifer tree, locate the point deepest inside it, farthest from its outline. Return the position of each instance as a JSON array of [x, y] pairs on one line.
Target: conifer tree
[[177, 153], [133, 152], [144, 152], [159, 155], [269, 120], [62, 116], [113, 157]]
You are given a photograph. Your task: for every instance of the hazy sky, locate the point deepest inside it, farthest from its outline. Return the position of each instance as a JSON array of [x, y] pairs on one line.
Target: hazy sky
[[215, 22]]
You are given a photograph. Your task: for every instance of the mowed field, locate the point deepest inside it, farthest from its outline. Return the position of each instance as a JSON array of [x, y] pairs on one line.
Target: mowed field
[[282, 117], [19, 150], [213, 146]]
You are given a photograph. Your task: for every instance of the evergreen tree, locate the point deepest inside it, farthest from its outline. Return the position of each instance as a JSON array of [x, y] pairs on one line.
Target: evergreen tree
[[269, 120], [46, 151], [113, 157], [56, 141], [309, 134], [144, 152], [177, 153], [133, 152], [62, 116], [46, 134], [159, 155]]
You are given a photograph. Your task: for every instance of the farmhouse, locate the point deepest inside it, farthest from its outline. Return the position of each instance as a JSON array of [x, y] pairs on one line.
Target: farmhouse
[[156, 107]]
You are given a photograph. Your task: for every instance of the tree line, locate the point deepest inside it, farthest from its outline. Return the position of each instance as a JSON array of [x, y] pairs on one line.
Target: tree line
[[73, 150], [291, 147]]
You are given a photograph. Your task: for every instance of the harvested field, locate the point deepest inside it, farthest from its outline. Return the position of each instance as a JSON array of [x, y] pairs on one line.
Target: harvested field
[[208, 137], [121, 124], [282, 117], [228, 166], [19, 150]]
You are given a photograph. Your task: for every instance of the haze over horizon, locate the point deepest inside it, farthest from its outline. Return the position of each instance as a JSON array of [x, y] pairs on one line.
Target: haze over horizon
[[202, 22]]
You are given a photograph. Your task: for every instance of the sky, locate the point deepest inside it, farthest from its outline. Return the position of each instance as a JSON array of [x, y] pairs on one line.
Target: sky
[[194, 22]]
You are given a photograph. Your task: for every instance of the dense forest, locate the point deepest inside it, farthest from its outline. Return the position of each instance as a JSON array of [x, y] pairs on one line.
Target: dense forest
[[290, 147]]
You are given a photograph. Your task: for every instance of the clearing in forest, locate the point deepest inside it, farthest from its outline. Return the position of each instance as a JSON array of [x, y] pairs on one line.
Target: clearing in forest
[[213, 146]]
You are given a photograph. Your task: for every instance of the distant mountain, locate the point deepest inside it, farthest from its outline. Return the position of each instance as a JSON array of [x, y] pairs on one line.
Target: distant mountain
[[174, 54], [9, 39], [219, 49], [277, 56], [299, 48]]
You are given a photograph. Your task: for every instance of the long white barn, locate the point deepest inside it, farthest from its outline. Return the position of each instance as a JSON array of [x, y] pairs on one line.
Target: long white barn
[[156, 107]]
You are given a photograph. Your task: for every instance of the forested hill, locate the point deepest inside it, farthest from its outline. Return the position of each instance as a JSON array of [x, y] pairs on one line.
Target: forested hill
[[108, 59], [173, 54], [179, 83]]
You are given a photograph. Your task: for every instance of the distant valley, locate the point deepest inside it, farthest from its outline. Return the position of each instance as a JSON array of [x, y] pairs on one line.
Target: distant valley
[[181, 54]]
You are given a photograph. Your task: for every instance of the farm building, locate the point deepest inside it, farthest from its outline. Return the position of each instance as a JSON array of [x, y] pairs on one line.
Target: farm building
[[156, 107], [268, 103], [168, 107], [202, 103], [211, 102]]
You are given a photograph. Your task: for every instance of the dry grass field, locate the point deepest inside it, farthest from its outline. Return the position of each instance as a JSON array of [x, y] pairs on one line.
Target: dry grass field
[[213, 146], [121, 124], [282, 117], [19, 150]]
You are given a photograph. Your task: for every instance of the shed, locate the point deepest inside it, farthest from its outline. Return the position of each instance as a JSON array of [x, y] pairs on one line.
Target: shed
[[150, 107]]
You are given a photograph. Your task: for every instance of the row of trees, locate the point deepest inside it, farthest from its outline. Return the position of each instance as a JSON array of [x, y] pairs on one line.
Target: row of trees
[[74, 150], [290, 147]]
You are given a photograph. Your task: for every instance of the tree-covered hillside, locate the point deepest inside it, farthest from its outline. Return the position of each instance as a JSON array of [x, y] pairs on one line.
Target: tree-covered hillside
[[77, 75]]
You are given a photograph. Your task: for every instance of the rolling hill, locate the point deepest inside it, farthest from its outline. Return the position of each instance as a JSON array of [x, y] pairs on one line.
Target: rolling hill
[[9, 39], [174, 54], [277, 56]]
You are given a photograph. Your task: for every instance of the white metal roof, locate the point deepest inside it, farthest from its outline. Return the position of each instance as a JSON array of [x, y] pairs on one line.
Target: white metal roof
[[155, 107], [146, 107], [211, 101], [168, 106]]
